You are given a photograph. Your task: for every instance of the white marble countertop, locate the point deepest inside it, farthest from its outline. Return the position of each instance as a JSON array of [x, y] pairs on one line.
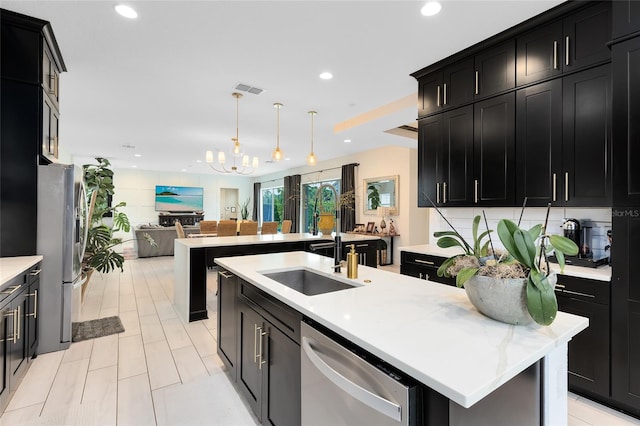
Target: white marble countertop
[[266, 239], [11, 267], [430, 332], [601, 273]]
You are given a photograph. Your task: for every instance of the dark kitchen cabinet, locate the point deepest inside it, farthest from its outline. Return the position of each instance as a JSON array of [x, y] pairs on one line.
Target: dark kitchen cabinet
[[31, 320], [227, 319], [266, 358], [423, 266], [445, 152], [626, 17], [626, 122], [494, 151], [577, 41], [19, 352], [450, 87], [625, 313], [495, 70], [539, 143], [586, 138], [589, 350], [29, 66]]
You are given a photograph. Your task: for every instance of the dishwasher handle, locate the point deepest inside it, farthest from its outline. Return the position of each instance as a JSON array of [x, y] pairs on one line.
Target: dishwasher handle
[[382, 405]]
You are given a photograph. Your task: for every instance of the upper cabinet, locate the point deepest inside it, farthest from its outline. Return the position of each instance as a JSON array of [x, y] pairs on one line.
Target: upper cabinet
[[626, 17], [495, 70], [577, 41]]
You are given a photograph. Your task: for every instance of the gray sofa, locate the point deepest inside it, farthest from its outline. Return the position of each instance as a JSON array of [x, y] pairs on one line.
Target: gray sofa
[[164, 237]]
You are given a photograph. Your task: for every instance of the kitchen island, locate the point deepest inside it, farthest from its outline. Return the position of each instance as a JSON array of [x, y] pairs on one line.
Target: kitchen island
[[190, 261], [431, 333]]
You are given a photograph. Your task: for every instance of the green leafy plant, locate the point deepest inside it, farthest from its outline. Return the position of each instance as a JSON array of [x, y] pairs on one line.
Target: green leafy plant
[[244, 209], [373, 197], [525, 257], [100, 251]]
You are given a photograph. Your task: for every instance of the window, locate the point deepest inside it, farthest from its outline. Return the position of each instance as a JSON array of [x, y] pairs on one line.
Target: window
[[272, 204], [327, 203]]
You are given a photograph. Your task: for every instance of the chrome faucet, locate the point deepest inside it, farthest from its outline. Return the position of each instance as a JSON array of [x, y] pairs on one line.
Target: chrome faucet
[[337, 243]]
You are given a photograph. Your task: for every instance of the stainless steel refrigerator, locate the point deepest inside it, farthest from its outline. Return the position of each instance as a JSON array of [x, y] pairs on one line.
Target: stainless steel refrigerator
[[62, 234]]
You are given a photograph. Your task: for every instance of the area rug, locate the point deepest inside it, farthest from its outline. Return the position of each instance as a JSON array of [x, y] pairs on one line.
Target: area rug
[[86, 330]]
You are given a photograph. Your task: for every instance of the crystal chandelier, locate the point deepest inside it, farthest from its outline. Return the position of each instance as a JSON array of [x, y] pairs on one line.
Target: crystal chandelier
[[245, 167]]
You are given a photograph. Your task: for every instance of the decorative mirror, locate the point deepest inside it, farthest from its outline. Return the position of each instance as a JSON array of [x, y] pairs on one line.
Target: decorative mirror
[[381, 192]]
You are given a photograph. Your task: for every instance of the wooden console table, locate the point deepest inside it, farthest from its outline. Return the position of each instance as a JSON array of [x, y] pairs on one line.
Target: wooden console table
[[385, 235]]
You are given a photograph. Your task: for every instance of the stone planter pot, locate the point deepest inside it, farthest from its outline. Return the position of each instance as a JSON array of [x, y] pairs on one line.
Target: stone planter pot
[[503, 299]]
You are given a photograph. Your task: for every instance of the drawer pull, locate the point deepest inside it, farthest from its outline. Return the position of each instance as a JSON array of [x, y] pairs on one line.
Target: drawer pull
[[426, 262], [560, 286], [362, 245], [577, 293], [225, 274], [35, 272], [13, 289], [35, 304]]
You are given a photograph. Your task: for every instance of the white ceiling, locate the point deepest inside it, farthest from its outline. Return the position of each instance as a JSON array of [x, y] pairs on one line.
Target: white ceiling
[[162, 83]]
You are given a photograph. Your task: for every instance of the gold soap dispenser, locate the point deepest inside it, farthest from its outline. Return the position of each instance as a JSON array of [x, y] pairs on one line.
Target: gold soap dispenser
[[352, 263]]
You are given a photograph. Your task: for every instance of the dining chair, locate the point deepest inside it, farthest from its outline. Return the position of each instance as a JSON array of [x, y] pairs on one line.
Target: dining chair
[[286, 226], [227, 228], [249, 228], [180, 230], [208, 226], [269, 228]]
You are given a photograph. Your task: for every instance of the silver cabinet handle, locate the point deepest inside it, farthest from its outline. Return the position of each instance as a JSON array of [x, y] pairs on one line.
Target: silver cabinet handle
[[477, 82], [577, 293], [15, 325], [19, 321], [13, 289], [566, 186], [475, 190], [438, 192], [255, 343], [362, 245], [35, 272], [555, 55], [225, 274], [554, 186], [424, 261], [35, 304], [260, 353], [420, 275], [438, 97], [382, 405], [444, 94], [566, 50], [444, 193]]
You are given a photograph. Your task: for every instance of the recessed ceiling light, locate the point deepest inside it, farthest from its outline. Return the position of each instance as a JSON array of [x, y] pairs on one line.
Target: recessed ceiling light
[[134, 166], [287, 159], [347, 141], [198, 161], [326, 75], [431, 8], [126, 11], [183, 170], [137, 155]]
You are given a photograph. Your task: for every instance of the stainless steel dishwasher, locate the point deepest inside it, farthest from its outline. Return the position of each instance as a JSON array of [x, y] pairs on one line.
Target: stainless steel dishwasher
[[340, 387]]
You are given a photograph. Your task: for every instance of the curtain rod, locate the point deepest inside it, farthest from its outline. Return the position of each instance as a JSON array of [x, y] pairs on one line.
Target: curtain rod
[[310, 173]]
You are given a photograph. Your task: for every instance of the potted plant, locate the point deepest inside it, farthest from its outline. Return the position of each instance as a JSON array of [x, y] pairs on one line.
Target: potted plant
[[513, 286], [244, 209], [373, 196]]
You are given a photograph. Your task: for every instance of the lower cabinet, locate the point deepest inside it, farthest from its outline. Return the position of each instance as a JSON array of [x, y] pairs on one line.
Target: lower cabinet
[[423, 266], [266, 360], [589, 350]]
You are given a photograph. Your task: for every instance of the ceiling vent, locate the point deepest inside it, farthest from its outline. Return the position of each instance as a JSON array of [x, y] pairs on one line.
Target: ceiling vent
[[247, 88], [406, 130]]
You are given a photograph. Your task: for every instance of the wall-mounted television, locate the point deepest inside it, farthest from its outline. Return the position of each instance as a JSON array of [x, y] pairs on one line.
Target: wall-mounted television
[[179, 198]]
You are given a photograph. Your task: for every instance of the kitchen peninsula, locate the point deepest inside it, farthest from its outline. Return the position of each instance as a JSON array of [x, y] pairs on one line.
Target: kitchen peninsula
[[430, 333], [190, 257]]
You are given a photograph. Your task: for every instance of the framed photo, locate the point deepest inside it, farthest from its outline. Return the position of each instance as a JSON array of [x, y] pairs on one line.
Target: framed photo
[[359, 227], [370, 226], [233, 209]]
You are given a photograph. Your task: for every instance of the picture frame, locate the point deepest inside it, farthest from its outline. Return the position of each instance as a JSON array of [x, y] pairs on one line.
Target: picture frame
[[233, 209], [359, 227], [370, 226]]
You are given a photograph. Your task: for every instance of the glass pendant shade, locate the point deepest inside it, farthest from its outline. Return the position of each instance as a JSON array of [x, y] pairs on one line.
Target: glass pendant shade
[[311, 159], [277, 153]]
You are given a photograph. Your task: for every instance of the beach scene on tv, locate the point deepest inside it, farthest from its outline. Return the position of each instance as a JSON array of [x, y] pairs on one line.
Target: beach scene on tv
[[179, 198]]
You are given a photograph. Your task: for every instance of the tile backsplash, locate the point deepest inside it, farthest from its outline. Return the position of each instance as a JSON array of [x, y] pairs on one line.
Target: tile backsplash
[[599, 219]]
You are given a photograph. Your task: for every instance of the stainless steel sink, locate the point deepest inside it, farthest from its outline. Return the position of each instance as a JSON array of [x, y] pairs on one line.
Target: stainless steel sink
[[307, 282]]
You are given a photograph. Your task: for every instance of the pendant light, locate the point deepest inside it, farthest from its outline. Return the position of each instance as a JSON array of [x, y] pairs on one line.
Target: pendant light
[[277, 153], [311, 159]]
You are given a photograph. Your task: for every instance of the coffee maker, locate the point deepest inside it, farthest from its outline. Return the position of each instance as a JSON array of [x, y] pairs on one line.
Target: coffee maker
[[581, 235]]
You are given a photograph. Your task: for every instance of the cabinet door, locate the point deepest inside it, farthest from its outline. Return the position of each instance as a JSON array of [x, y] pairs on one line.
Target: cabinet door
[[539, 54], [18, 345], [49, 150], [495, 70], [457, 157], [626, 17], [430, 92], [494, 151], [589, 350], [625, 312], [6, 327], [586, 141], [458, 84], [539, 143], [50, 75], [227, 319], [282, 401], [586, 34], [32, 318], [626, 121], [249, 374], [429, 161]]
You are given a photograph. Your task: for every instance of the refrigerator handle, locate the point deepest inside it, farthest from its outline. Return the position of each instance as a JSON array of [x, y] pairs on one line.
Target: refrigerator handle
[[384, 406]]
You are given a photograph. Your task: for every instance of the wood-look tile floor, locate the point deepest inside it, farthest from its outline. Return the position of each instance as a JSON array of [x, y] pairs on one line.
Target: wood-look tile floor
[[159, 371]]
